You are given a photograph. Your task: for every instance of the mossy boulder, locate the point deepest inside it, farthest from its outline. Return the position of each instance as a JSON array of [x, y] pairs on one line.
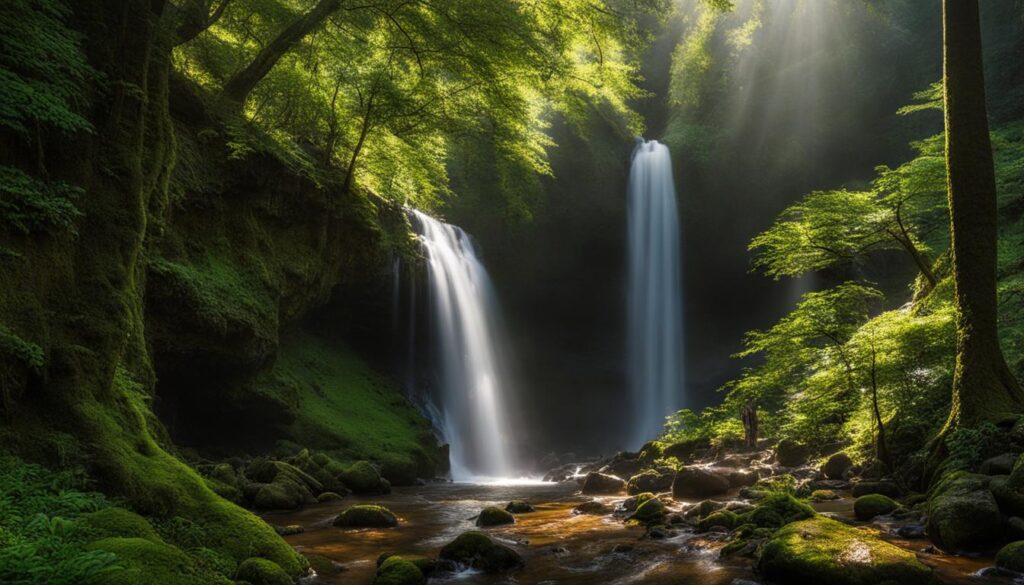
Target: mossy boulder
[[694, 483], [145, 562], [600, 484], [366, 516], [631, 504], [723, 518], [651, 511], [396, 570], [494, 516], [821, 550], [593, 508], [519, 507], [777, 509], [650, 452], [257, 571], [650, 480], [329, 497], [362, 478], [477, 550], [399, 471], [789, 453], [1009, 498], [686, 450], [963, 514], [872, 505], [1011, 557], [285, 492], [110, 522], [837, 466], [824, 495]]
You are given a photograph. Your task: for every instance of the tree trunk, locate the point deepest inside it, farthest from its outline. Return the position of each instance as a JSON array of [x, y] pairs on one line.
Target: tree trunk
[[239, 87], [350, 173], [983, 387]]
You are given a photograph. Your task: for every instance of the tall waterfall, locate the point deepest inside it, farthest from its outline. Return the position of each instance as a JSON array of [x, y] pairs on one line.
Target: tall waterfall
[[655, 320], [465, 331]]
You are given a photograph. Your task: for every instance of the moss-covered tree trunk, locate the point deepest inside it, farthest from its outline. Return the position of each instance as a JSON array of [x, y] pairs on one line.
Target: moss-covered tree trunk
[[983, 387]]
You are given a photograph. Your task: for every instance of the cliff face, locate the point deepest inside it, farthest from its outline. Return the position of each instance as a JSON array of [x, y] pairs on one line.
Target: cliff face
[[183, 264]]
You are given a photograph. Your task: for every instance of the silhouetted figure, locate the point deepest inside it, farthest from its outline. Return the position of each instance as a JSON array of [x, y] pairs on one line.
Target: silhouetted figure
[[750, 424]]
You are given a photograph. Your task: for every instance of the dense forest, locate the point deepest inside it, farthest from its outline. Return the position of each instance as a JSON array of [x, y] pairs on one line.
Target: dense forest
[[504, 291]]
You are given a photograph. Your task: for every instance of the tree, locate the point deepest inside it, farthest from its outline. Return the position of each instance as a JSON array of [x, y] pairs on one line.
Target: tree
[[984, 389]]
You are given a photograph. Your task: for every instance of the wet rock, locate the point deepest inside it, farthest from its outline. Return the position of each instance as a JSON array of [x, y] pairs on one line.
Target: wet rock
[[651, 511], [820, 550], [650, 481], [695, 483], [631, 504], [622, 549], [912, 531], [366, 516], [885, 488], [396, 570], [559, 474], [601, 484], [999, 465], [477, 550], [257, 571], [1011, 557], [824, 495], [624, 464], [872, 505], [329, 497], [658, 532], [323, 566], [290, 530], [789, 453], [722, 519], [963, 514], [705, 508], [837, 466], [494, 516], [593, 508], [519, 507]]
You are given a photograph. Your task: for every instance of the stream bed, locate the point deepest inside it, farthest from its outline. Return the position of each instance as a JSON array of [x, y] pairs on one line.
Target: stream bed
[[558, 545]]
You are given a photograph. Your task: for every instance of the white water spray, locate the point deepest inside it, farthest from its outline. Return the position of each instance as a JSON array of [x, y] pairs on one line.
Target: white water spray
[[472, 378], [655, 319]]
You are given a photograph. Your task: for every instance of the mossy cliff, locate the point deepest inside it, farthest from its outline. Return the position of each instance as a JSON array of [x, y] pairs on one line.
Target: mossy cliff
[[170, 285]]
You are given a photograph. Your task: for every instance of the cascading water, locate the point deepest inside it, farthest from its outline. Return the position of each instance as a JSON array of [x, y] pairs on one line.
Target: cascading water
[[472, 378], [655, 321]]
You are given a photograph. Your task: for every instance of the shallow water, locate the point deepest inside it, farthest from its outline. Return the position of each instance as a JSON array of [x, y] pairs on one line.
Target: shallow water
[[559, 546]]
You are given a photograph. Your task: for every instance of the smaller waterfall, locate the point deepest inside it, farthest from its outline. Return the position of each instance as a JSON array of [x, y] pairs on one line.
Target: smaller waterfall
[[472, 378], [655, 320]]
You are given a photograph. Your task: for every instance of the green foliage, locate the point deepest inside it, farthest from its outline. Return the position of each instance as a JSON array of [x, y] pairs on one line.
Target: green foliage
[[28, 204]]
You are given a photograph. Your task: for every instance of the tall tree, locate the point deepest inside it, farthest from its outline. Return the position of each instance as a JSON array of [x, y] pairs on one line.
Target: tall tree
[[984, 389]]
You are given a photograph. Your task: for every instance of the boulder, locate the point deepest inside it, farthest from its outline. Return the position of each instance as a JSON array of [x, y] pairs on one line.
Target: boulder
[[837, 466], [824, 495], [494, 516], [624, 464], [1015, 528], [1009, 499], [651, 511], [329, 497], [742, 478], [872, 505], [649, 481], [704, 508], [789, 453], [519, 507], [1011, 557], [686, 450], [963, 514], [601, 484], [366, 516], [999, 465], [397, 571], [650, 452], [477, 550], [362, 478], [593, 508], [820, 550], [775, 510], [722, 518], [886, 488], [257, 571], [631, 504], [694, 483]]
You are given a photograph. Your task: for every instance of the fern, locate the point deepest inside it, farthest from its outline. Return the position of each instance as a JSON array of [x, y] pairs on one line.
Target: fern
[[28, 204]]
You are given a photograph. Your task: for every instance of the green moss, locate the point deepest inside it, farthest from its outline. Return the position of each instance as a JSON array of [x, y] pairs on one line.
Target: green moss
[[366, 516], [869, 506], [398, 571], [650, 511], [821, 550], [341, 404], [494, 516], [962, 513], [723, 518], [362, 478], [824, 495], [118, 522], [777, 509], [144, 562], [1011, 557], [257, 571]]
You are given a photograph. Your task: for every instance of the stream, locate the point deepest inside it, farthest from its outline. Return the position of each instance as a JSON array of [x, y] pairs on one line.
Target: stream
[[559, 546]]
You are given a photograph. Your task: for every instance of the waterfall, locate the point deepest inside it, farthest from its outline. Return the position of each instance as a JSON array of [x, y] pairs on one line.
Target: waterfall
[[655, 321], [473, 406]]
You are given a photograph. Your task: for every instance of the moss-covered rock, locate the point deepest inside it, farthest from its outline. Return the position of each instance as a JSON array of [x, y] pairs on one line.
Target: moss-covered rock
[[821, 550], [145, 562], [723, 518], [775, 510], [366, 516], [872, 505], [362, 478], [519, 507], [329, 497], [1009, 498], [789, 453], [110, 522], [824, 495], [396, 570], [494, 516], [1011, 557], [477, 550], [257, 571], [631, 504], [837, 466], [692, 483], [963, 514], [650, 511], [650, 480], [593, 508], [600, 484]]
